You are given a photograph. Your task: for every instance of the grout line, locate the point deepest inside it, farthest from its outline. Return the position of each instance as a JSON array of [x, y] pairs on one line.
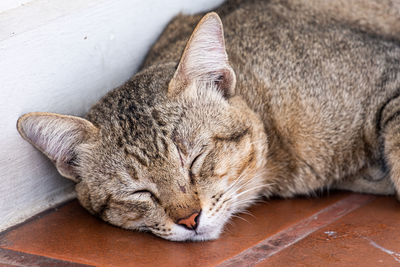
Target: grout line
[[17, 258], [297, 232], [395, 255]]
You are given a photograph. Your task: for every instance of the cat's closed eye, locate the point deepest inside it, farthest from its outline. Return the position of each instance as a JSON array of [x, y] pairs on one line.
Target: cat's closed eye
[[195, 165], [144, 193]]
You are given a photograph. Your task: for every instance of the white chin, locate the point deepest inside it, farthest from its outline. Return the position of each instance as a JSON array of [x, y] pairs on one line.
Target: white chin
[[188, 235], [204, 237]]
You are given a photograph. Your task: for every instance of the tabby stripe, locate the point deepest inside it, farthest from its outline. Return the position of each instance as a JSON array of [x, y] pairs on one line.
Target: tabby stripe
[[247, 161], [156, 116], [313, 171], [138, 158], [155, 140], [236, 137], [104, 207], [132, 172], [165, 146], [378, 123], [390, 119]]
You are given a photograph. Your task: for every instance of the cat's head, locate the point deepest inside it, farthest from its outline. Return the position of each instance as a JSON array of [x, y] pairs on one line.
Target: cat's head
[[173, 151]]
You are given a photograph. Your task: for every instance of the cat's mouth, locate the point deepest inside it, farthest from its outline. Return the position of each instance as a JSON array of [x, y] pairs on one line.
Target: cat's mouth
[[206, 230]]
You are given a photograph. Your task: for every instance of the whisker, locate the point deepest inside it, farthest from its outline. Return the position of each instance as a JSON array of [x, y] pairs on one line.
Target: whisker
[[239, 217], [250, 189], [240, 178], [246, 212]]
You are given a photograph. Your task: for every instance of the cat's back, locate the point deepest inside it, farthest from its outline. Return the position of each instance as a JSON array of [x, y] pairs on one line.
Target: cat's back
[[318, 82], [278, 37], [259, 23], [291, 59], [285, 53]]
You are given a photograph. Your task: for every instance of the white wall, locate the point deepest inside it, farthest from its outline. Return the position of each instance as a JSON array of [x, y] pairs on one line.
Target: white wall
[[62, 56], [10, 4]]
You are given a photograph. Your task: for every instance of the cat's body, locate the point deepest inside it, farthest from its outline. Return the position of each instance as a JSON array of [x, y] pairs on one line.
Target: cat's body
[[312, 81], [179, 148]]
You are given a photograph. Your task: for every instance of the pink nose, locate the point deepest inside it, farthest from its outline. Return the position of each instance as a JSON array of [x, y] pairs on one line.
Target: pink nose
[[190, 222]]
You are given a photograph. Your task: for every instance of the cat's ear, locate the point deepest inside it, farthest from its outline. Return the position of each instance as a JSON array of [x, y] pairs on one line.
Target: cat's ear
[[57, 136], [205, 59]]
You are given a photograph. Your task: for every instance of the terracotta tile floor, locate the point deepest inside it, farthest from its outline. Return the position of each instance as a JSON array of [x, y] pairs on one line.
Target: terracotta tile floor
[[341, 229]]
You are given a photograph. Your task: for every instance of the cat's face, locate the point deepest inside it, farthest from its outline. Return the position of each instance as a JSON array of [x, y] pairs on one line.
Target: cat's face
[[177, 157], [186, 179], [181, 175]]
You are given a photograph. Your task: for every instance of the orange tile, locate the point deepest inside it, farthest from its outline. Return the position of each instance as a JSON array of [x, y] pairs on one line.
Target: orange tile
[[298, 231], [72, 234], [369, 236], [11, 258]]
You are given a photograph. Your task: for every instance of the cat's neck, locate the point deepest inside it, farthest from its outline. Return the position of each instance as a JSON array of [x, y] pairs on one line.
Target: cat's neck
[[281, 158]]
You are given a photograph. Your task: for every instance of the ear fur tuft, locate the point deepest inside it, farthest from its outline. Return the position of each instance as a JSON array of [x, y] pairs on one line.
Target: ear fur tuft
[[205, 59]]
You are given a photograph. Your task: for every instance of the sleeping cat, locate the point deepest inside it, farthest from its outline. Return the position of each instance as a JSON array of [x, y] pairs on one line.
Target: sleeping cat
[[285, 101]]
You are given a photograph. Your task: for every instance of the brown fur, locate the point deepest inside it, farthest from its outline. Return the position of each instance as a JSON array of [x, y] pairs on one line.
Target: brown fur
[[303, 96]]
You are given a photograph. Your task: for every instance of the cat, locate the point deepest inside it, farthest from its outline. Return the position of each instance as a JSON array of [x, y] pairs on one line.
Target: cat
[[296, 100]]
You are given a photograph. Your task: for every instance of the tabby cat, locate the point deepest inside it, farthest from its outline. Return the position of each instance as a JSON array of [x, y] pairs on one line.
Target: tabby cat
[[308, 99]]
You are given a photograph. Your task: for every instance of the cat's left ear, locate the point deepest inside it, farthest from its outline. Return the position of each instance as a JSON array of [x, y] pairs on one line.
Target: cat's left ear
[[58, 137], [204, 59]]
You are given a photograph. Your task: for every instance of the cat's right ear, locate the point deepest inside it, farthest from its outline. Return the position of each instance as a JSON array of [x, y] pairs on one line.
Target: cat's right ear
[[205, 59], [57, 136]]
